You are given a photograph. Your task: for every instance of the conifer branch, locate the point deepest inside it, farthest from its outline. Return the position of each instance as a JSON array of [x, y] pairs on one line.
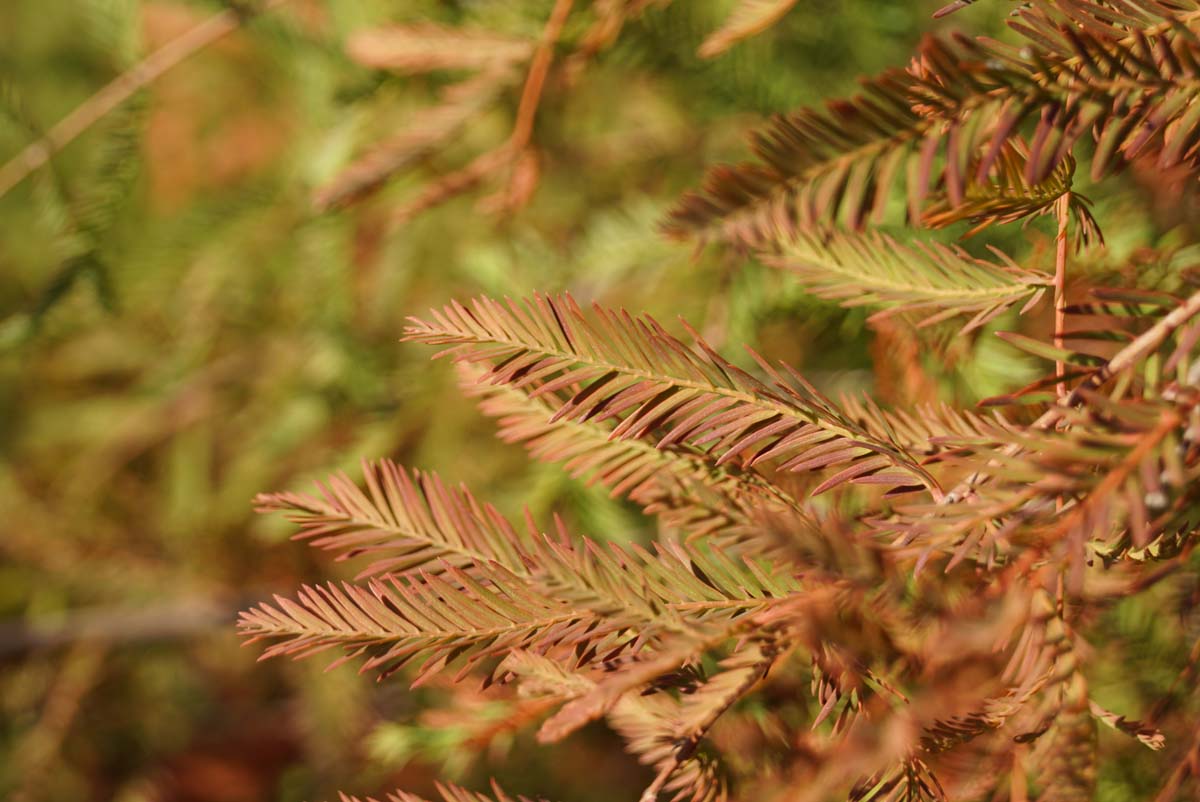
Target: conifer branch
[[630, 370], [683, 486], [494, 591], [960, 104], [933, 280], [409, 522], [912, 670]]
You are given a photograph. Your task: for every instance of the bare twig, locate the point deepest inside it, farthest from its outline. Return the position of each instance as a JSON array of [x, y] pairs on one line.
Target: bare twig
[[1126, 357], [453, 184], [180, 619], [531, 98], [36, 154], [1062, 210], [506, 154], [539, 66], [1188, 766]]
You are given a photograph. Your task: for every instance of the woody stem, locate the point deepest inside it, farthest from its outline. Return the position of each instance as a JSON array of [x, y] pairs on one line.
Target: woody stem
[[1062, 211]]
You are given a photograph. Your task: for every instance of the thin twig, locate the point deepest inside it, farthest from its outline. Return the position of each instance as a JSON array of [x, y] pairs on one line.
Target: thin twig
[[1186, 767], [1017, 782], [1062, 210], [185, 618], [1141, 347], [539, 66], [1126, 357], [452, 184], [36, 154], [655, 788], [498, 158]]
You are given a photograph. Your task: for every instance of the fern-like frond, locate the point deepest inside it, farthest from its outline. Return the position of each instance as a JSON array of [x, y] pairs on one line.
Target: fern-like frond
[[413, 522], [407, 521], [395, 620], [680, 485], [550, 594], [933, 280], [1127, 75], [613, 367], [911, 782], [1005, 196]]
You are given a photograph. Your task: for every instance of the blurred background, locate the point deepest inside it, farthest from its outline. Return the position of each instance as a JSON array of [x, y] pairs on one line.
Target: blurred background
[[201, 298]]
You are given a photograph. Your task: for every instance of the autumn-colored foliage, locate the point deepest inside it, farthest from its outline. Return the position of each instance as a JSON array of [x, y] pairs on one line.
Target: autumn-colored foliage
[[937, 576]]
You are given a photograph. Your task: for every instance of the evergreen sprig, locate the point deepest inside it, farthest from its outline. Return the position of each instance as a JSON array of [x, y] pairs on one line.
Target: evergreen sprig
[[1125, 72], [932, 576]]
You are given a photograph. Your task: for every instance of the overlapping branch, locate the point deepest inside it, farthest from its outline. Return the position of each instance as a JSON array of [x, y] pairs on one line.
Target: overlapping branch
[[933, 281], [680, 485], [465, 586], [613, 367], [1123, 72]]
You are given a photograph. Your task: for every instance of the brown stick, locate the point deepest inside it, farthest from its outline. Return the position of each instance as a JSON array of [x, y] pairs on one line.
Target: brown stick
[[1127, 356], [1185, 768], [35, 155], [452, 184], [531, 96], [496, 159], [1062, 210], [182, 618], [539, 66]]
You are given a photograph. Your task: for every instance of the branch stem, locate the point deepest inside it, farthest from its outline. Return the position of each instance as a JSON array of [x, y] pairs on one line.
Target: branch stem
[[504, 155], [1126, 357], [37, 154], [539, 66], [1062, 210]]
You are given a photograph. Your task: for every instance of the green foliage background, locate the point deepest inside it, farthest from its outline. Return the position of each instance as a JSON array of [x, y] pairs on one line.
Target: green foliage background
[[179, 329]]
